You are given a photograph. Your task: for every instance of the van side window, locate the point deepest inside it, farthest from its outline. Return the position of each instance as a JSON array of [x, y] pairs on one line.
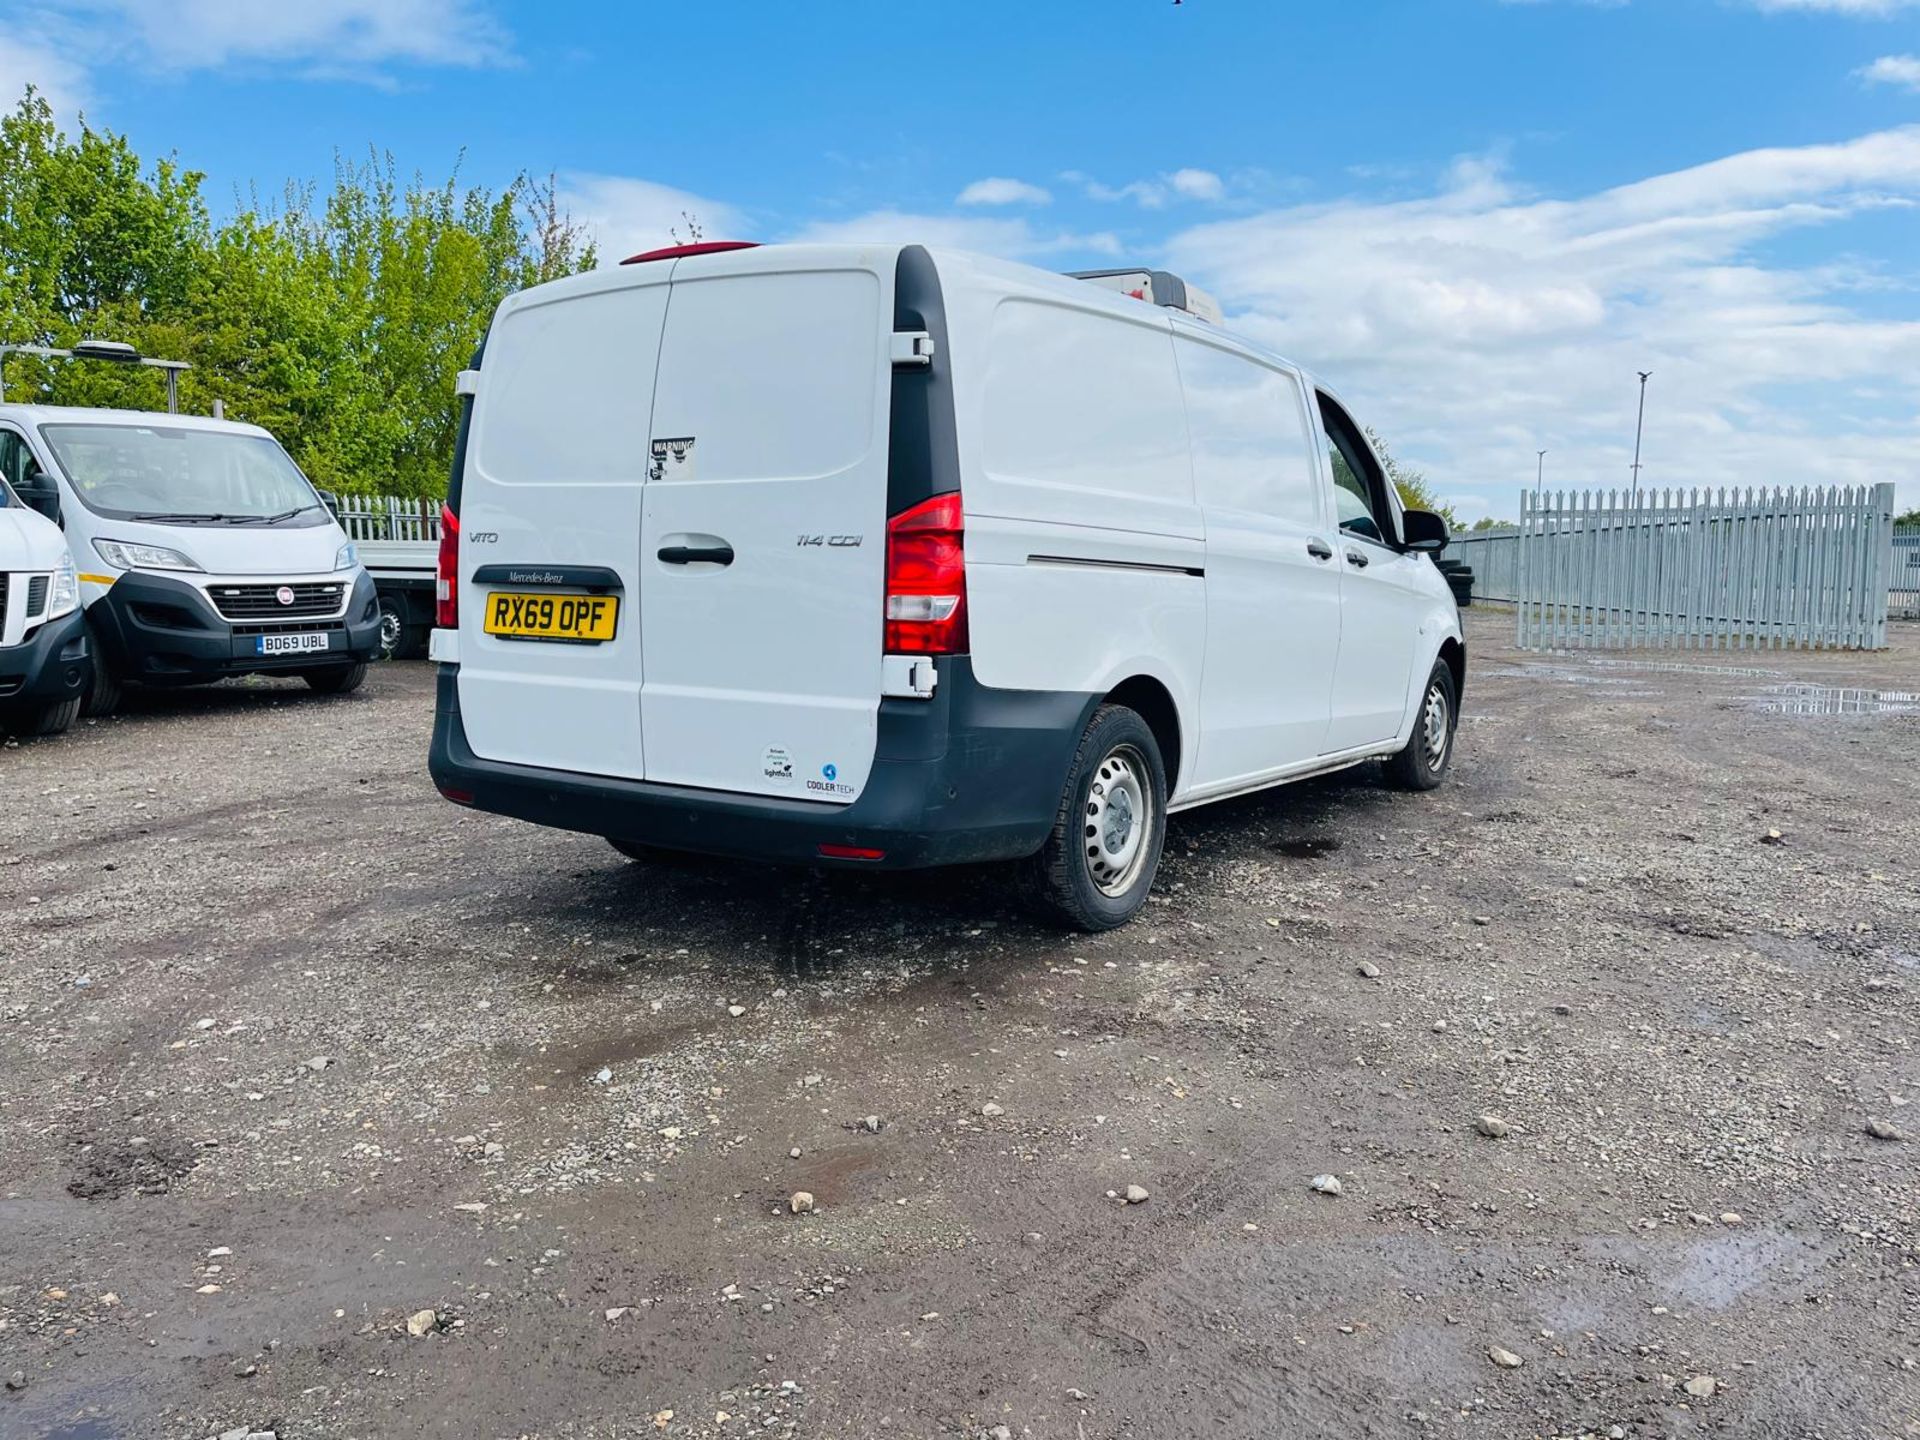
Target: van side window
[[1248, 424], [14, 457], [1359, 489]]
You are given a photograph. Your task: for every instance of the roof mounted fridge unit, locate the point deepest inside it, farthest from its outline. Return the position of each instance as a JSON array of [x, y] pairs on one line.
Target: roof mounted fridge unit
[[1158, 287]]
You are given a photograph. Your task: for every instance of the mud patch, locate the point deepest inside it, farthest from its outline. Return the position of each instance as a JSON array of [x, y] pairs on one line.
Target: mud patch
[[1309, 847], [137, 1165]]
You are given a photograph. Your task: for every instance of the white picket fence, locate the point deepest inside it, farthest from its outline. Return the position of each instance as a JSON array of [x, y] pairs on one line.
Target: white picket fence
[[1705, 570], [390, 517]]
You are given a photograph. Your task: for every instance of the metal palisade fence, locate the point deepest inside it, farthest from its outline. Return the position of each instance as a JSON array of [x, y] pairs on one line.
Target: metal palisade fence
[[1705, 569], [1903, 592], [389, 517]]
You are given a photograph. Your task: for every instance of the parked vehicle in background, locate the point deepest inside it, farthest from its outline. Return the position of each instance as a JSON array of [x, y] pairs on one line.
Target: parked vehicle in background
[[399, 543], [202, 551], [884, 556], [44, 664]]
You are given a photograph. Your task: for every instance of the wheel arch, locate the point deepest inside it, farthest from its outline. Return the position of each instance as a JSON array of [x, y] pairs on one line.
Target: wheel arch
[[1149, 698]]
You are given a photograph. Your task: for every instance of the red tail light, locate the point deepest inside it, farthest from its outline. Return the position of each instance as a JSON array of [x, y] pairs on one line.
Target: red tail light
[[446, 578], [927, 579]]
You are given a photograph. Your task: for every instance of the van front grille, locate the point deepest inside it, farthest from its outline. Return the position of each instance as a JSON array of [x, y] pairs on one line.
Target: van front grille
[[263, 602]]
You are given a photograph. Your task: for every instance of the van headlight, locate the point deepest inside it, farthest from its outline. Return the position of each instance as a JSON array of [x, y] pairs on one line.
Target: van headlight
[[66, 589], [347, 557], [131, 555]]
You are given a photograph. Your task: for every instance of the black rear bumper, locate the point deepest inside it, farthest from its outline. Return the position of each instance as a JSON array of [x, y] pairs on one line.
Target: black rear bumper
[[970, 774], [52, 665], [162, 631]]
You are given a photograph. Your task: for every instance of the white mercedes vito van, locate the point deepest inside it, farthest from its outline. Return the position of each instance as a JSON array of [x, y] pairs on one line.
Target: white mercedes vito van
[[889, 556]]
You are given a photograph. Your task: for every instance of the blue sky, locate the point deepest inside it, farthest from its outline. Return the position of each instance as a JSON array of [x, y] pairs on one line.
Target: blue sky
[[1477, 219]]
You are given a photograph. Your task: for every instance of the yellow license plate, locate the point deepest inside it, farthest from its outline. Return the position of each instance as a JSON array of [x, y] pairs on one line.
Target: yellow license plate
[[585, 618]]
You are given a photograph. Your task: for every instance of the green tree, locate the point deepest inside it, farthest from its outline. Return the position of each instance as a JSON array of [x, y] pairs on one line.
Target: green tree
[[337, 321], [1415, 493], [1487, 522], [1911, 518]]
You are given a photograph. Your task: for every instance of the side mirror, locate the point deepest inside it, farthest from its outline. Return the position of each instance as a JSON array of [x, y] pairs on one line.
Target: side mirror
[[38, 490], [331, 501], [1424, 531]]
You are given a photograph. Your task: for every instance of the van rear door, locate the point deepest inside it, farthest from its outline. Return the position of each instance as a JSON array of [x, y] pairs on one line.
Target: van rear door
[[763, 545], [550, 510]]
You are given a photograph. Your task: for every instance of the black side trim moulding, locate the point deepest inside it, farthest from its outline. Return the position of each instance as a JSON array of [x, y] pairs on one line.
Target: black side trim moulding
[[1093, 563]]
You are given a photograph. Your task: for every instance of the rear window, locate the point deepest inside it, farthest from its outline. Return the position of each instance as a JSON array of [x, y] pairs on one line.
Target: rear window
[[1085, 401]]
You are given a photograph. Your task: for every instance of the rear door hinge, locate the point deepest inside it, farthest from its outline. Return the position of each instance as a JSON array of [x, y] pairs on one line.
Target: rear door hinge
[[912, 347]]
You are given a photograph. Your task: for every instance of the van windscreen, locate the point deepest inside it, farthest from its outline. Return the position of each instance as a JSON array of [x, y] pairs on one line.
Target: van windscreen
[[182, 474]]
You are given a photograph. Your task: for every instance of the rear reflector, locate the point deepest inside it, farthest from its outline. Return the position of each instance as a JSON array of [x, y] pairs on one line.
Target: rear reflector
[[926, 603], [704, 247], [446, 576], [850, 852], [458, 797]]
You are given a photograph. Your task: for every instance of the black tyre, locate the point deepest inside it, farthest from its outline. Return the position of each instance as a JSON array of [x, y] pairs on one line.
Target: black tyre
[[336, 679], [393, 630], [1098, 864], [104, 692], [54, 719], [1423, 763]]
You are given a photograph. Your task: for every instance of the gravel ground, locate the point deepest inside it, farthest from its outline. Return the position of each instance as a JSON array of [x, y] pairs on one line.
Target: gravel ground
[[331, 1109]]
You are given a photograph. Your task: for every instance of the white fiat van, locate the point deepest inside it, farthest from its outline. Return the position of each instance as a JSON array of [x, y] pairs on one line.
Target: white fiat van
[[893, 557], [202, 551]]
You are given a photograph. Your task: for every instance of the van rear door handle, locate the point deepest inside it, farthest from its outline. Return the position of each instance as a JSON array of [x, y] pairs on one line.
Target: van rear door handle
[[719, 553], [1356, 559], [1319, 549]]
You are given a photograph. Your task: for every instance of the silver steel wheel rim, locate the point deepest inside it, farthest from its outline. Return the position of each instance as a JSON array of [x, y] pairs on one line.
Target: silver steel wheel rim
[[1119, 821], [1436, 732], [390, 630]]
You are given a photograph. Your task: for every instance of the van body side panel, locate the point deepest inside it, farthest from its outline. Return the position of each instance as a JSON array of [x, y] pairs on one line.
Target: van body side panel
[[557, 460], [763, 669], [1085, 548], [1273, 586]]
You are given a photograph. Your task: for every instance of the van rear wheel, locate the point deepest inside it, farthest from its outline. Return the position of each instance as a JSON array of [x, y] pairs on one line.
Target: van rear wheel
[[1099, 862]]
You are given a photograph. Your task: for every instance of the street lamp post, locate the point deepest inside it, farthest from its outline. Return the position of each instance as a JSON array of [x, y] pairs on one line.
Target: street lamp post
[[1539, 474], [1639, 425]]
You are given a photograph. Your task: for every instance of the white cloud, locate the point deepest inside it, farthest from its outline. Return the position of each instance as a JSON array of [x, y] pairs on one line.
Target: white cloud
[[1901, 70], [997, 190], [1872, 9], [333, 35], [27, 58], [1012, 238], [1198, 184], [1153, 194], [59, 47], [1479, 323], [627, 216]]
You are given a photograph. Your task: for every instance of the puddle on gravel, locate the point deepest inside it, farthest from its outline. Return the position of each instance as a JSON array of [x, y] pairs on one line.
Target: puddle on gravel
[[1834, 700], [1310, 847]]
